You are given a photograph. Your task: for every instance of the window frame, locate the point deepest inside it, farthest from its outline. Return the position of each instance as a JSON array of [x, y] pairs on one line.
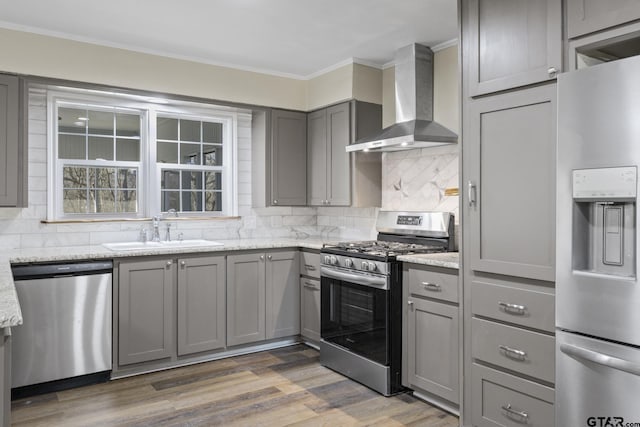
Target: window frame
[[149, 171]]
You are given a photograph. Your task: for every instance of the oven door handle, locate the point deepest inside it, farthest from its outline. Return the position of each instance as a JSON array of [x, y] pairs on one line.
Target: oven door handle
[[601, 359], [377, 282]]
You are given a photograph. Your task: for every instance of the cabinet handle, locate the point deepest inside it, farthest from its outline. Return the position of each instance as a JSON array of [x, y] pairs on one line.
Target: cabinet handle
[[553, 71], [513, 353], [261, 257], [275, 202], [523, 417], [310, 285], [169, 264], [310, 267], [432, 287], [183, 264], [472, 193], [513, 308], [269, 257], [410, 304]]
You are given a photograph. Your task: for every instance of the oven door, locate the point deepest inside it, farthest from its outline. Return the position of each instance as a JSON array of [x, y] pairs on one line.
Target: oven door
[[355, 312]]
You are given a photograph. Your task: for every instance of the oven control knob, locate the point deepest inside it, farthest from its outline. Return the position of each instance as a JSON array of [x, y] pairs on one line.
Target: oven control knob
[[333, 260], [364, 266], [372, 266], [327, 259], [348, 263]]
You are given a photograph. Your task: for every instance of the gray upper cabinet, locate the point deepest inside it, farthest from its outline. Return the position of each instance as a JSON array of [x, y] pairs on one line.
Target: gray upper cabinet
[[13, 167], [282, 294], [146, 311], [510, 164], [201, 304], [328, 135], [288, 158], [512, 43], [588, 16], [245, 298]]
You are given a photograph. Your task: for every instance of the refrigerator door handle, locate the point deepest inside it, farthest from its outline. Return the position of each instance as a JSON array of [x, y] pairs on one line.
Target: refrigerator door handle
[[601, 359]]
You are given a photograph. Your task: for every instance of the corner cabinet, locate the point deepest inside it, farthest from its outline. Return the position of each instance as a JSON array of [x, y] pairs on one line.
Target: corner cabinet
[[288, 158], [512, 43], [263, 297], [588, 16], [13, 153]]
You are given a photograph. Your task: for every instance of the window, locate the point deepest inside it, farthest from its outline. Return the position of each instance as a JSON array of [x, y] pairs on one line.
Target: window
[[117, 157]]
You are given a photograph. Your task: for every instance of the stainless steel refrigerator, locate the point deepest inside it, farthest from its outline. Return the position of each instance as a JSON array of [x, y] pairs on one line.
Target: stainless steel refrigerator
[[597, 256]]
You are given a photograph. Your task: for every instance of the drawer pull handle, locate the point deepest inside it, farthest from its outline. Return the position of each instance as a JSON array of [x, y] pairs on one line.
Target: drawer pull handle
[[310, 267], [310, 285], [431, 287], [513, 308], [523, 417], [513, 353]]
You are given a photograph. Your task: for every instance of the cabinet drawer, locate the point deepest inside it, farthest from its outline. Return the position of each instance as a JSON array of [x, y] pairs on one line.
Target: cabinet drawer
[[534, 309], [310, 264], [501, 399], [527, 352], [432, 284]]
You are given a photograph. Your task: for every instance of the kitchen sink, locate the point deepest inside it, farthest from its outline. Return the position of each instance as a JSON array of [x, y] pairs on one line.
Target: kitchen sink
[[134, 246]]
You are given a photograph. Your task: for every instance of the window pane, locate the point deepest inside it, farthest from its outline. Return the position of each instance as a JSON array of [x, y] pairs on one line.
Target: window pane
[[191, 180], [170, 180], [190, 131], [212, 155], [74, 177], [127, 201], [127, 124], [212, 201], [72, 147], [213, 180], [74, 201], [170, 200], [128, 150], [192, 201], [212, 132], [102, 178], [100, 123], [72, 120], [102, 201], [190, 154], [167, 128], [100, 148], [167, 152], [127, 178]]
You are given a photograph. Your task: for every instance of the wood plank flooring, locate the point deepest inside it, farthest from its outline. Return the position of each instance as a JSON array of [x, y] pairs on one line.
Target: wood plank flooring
[[283, 387]]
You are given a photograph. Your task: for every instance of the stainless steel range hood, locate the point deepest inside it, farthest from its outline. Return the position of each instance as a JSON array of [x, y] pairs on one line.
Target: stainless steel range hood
[[414, 126]]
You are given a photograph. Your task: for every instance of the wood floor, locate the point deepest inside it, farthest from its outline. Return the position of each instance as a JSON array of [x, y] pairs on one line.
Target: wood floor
[[284, 387]]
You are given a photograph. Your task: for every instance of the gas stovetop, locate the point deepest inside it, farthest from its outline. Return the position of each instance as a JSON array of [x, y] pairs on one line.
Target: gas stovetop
[[380, 248]]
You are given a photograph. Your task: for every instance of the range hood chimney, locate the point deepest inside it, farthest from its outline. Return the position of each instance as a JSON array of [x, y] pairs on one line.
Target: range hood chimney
[[414, 126]]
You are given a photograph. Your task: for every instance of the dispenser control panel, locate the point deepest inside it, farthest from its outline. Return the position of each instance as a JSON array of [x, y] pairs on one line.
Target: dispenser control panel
[[605, 183]]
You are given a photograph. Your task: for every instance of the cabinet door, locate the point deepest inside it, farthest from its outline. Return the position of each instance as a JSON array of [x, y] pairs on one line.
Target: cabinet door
[[9, 140], [283, 294], [288, 158], [245, 298], [201, 304], [512, 43], [310, 308], [588, 16], [510, 156], [145, 318], [432, 344], [317, 157], [5, 377], [338, 168]]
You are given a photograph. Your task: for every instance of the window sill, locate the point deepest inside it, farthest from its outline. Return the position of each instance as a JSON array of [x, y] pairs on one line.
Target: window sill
[[98, 220]]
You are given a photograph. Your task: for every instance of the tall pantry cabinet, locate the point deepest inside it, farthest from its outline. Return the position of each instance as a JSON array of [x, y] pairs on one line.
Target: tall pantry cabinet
[[511, 52]]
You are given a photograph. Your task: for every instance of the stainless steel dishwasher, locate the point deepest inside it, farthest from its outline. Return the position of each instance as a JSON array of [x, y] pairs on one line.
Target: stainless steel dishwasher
[[66, 332]]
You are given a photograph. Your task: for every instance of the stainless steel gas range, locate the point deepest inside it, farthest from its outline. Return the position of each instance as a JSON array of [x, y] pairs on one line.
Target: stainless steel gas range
[[361, 296]]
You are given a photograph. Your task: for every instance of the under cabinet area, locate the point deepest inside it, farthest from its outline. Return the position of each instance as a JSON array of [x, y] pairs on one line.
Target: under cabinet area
[[431, 356], [310, 296]]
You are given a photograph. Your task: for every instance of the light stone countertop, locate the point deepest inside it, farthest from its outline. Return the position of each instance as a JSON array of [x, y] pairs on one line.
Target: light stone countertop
[[10, 314], [445, 259]]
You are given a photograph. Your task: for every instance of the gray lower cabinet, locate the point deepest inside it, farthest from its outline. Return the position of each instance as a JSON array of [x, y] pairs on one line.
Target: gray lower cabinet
[[310, 308], [146, 304], [263, 297], [288, 166], [509, 44], [201, 304], [431, 356], [13, 158], [5, 377], [588, 16]]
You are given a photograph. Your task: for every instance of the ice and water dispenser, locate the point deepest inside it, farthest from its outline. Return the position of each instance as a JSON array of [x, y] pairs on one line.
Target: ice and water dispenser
[[604, 211]]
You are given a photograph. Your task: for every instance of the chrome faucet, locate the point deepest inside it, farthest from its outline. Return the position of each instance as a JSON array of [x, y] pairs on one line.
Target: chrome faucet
[[156, 229], [156, 226]]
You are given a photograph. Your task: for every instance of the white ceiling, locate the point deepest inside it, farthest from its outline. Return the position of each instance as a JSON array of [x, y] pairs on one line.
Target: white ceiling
[[294, 38]]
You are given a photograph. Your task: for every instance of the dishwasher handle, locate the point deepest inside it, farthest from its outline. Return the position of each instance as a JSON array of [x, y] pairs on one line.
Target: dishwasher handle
[[42, 271]]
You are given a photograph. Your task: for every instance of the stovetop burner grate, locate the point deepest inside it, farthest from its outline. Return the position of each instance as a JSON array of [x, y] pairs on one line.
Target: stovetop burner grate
[[384, 248]]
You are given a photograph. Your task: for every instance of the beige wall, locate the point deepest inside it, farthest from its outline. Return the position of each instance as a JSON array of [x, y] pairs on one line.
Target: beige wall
[[367, 84], [330, 87], [34, 54], [445, 90]]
